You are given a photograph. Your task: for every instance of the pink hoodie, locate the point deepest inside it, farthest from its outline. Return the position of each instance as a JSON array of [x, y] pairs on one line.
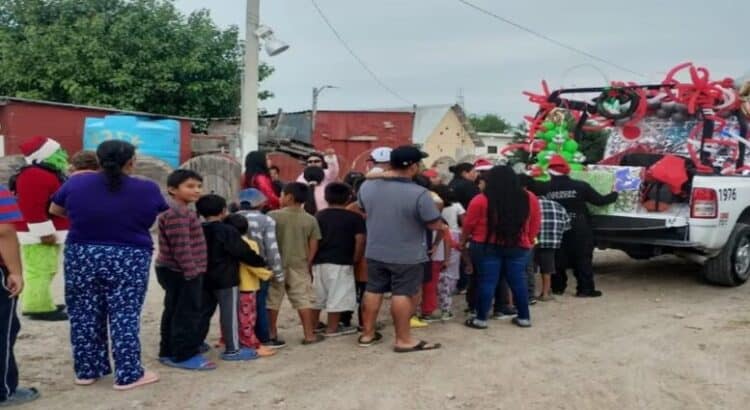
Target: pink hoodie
[[331, 175]]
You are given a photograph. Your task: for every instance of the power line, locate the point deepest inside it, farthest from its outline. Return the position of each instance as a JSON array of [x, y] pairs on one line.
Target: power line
[[551, 40], [356, 57]]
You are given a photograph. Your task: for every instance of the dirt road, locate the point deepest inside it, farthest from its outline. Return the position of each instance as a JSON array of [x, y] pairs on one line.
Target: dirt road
[[659, 339]]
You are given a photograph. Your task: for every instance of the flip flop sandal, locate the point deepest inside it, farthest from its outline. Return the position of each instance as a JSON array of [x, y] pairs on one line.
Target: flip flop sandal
[[196, 363], [472, 324], [147, 378], [85, 382], [375, 340], [420, 347], [318, 338]]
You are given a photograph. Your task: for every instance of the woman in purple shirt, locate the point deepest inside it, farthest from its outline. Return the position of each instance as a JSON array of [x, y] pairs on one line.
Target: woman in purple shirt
[[107, 262]]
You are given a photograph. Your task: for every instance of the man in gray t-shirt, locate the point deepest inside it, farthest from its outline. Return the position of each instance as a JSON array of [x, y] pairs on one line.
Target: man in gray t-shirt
[[398, 214]]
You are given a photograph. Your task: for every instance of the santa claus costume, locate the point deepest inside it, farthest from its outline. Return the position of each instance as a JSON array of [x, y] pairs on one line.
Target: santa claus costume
[[40, 234]]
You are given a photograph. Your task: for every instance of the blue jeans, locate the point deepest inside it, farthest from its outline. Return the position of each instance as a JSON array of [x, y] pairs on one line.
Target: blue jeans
[[496, 263], [262, 325]]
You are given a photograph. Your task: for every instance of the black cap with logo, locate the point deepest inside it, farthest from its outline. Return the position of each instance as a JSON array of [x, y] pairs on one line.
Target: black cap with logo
[[405, 156]]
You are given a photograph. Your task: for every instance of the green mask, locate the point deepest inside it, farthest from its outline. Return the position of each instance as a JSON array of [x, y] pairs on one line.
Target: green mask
[[58, 160]]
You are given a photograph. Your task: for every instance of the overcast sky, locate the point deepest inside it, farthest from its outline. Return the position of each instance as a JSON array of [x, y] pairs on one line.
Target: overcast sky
[[428, 50]]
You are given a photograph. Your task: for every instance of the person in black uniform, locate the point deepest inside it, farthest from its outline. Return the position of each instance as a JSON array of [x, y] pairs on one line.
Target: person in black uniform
[[577, 249]]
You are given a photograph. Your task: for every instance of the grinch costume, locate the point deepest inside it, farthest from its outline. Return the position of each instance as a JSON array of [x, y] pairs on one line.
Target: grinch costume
[[40, 234]]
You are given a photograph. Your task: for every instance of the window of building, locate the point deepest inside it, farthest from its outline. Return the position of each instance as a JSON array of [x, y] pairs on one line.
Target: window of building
[[492, 149]]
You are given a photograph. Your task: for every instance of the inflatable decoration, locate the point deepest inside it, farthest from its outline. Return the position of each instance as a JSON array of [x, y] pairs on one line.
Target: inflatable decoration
[[557, 141]]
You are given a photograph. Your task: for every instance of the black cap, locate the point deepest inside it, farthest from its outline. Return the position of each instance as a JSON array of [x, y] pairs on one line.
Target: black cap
[[406, 155]]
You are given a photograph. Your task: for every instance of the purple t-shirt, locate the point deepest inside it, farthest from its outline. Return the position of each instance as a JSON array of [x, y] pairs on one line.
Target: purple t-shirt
[[99, 216]]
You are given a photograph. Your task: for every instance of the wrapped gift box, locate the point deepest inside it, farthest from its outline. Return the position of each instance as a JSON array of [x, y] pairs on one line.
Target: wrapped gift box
[[603, 181], [607, 178], [628, 182]]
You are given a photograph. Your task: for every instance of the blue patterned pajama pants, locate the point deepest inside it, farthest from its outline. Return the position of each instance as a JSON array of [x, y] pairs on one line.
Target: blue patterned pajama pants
[[106, 285]]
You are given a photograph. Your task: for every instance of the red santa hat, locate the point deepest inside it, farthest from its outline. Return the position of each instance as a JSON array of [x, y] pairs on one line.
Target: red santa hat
[[558, 166], [37, 149], [482, 165]]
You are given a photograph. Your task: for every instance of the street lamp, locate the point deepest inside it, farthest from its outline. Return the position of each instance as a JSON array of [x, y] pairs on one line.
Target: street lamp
[[315, 94], [254, 33]]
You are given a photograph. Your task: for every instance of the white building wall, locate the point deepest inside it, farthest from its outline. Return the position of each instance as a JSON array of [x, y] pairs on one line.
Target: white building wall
[[493, 143]]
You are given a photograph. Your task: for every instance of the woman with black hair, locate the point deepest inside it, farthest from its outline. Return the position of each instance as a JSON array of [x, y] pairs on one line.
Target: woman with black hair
[[313, 177], [258, 176], [107, 262], [502, 224], [464, 185], [329, 163]]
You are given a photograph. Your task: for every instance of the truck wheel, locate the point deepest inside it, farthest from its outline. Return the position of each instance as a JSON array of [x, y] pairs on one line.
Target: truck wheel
[[732, 266]]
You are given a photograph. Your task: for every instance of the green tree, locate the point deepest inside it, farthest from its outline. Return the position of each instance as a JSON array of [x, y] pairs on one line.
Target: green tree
[[592, 144], [139, 55], [520, 136], [489, 123]]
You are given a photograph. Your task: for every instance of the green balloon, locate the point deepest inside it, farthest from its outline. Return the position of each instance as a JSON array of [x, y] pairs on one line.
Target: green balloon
[[570, 146], [543, 178], [568, 156], [576, 167], [549, 135], [548, 125]]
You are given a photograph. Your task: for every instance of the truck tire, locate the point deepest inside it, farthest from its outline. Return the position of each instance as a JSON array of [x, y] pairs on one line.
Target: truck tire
[[732, 266]]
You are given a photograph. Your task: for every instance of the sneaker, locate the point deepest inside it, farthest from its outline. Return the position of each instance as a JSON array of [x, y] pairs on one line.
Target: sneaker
[[341, 331], [501, 316], [242, 355], [532, 300], [432, 318], [320, 328], [521, 322], [275, 344], [589, 294], [417, 323], [446, 316]]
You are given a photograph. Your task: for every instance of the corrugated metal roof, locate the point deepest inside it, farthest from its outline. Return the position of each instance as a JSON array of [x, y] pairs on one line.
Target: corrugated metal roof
[[4, 100]]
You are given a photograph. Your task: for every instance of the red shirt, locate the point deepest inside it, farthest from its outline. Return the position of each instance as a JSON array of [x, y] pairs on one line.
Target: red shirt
[[263, 183], [475, 222]]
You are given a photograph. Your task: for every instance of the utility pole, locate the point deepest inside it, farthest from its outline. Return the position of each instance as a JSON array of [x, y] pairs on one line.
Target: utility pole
[[249, 110], [315, 94]]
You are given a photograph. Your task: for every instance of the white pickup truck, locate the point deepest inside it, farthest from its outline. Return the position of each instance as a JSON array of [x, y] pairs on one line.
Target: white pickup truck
[[713, 229], [712, 226]]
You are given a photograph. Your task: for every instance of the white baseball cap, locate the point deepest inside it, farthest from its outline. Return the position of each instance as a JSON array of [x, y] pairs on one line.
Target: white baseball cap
[[381, 155]]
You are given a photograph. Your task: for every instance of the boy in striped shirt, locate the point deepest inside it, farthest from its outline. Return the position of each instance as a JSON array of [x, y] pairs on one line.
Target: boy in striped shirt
[[180, 267], [12, 281]]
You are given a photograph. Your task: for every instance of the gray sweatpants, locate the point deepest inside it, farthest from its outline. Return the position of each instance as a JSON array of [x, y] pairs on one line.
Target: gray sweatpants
[[228, 302]]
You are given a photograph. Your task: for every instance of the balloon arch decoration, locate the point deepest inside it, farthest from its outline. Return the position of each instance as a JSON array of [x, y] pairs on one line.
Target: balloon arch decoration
[[688, 113]]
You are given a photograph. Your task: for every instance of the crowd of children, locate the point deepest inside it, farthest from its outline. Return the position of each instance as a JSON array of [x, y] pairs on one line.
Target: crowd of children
[[338, 247], [312, 249]]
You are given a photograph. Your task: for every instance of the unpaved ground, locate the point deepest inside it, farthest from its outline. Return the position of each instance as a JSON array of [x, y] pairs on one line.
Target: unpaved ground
[[659, 339]]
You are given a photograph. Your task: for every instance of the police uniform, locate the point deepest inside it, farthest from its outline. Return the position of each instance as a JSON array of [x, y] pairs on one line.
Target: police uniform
[[578, 243]]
